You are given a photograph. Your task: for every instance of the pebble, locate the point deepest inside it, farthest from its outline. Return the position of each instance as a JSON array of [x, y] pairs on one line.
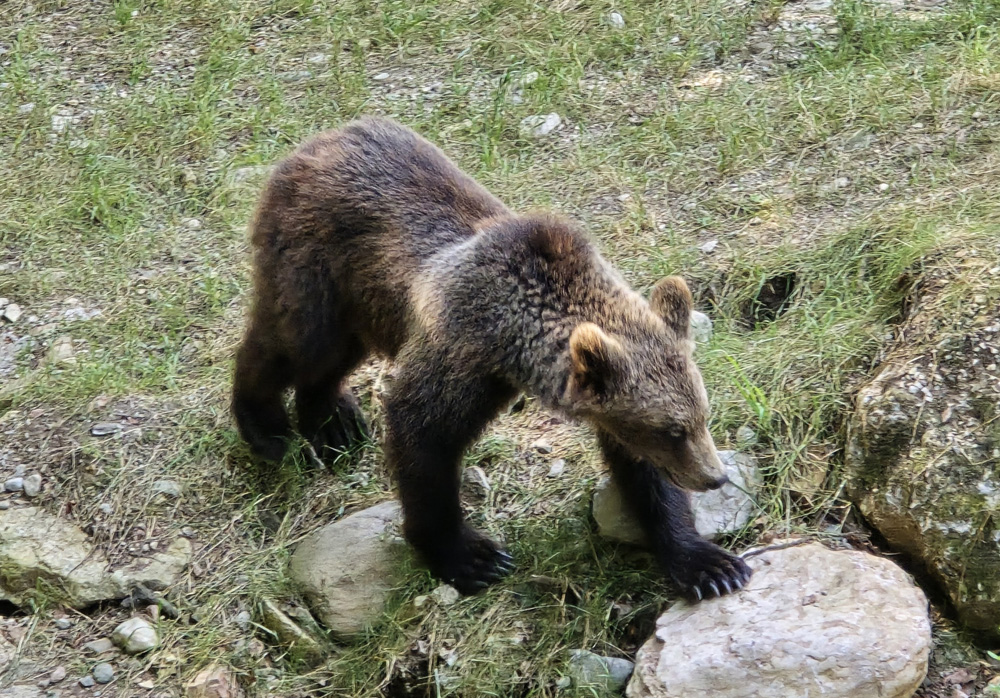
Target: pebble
[[105, 428], [58, 674], [4, 505], [20, 470], [26, 108], [381, 76], [15, 484], [64, 623], [709, 247], [540, 125], [61, 352], [242, 620], [167, 487], [135, 635], [557, 468], [883, 187], [745, 436], [87, 681], [542, 446], [446, 595], [841, 182], [103, 673], [617, 21], [32, 485], [99, 646], [528, 78], [13, 312], [475, 477]]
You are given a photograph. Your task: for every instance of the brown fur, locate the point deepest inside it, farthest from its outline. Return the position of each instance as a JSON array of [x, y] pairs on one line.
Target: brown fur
[[369, 239]]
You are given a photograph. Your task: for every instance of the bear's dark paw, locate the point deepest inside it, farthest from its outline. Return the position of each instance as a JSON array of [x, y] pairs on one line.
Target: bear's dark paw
[[703, 570], [265, 429], [473, 564], [342, 426]]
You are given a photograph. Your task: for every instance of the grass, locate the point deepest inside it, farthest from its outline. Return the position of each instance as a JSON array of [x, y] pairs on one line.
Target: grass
[[852, 161]]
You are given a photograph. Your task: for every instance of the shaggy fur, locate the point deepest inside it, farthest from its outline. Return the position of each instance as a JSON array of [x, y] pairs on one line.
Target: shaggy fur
[[369, 239]]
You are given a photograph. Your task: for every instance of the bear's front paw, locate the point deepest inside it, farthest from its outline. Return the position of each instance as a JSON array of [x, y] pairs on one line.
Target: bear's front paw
[[702, 570], [473, 563]]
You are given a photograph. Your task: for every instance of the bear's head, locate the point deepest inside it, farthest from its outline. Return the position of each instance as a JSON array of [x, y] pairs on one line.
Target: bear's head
[[642, 387]]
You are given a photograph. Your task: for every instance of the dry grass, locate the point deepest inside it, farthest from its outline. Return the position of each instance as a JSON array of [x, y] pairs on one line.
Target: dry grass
[[849, 161]]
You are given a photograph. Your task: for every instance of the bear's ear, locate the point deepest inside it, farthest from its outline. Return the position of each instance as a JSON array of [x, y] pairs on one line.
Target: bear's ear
[[595, 359], [671, 300]]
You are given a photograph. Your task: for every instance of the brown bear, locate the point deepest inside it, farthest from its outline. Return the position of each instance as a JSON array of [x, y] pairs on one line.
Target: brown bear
[[369, 239]]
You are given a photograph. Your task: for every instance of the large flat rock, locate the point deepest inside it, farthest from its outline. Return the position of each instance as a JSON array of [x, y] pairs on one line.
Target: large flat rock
[[42, 552], [812, 622]]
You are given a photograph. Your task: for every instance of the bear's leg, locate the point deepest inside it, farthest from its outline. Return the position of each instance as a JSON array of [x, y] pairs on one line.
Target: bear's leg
[[330, 417], [433, 413], [262, 374], [699, 568]]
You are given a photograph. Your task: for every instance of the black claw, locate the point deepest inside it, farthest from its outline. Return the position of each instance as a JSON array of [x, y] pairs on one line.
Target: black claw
[[506, 557], [697, 592], [715, 588], [729, 589]]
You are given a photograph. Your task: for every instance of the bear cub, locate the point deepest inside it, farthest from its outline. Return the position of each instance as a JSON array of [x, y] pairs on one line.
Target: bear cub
[[368, 239]]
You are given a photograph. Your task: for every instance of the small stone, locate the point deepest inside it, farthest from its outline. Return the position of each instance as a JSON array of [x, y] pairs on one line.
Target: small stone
[[745, 436], [61, 352], [475, 478], [242, 620], [381, 76], [26, 108], [146, 684], [15, 484], [103, 673], [841, 182], [318, 59], [616, 20], [883, 187], [167, 487], [701, 327], [87, 681], [709, 247], [105, 428], [213, 682], [22, 470], [557, 468], [135, 635], [446, 595], [58, 674], [4, 505], [64, 623], [528, 78], [540, 125], [13, 312], [604, 673], [542, 446], [32, 485], [564, 682], [192, 223], [99, 646]]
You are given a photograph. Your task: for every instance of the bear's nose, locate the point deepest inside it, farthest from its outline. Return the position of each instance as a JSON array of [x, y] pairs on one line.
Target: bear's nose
[[717, 483]]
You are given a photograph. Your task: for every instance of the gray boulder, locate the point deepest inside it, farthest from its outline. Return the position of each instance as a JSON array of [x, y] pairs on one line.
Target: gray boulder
[[923, 461], [811, 622], [346, 569]]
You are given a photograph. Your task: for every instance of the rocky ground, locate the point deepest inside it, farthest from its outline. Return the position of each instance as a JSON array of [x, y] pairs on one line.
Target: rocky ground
[[822, 173]]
